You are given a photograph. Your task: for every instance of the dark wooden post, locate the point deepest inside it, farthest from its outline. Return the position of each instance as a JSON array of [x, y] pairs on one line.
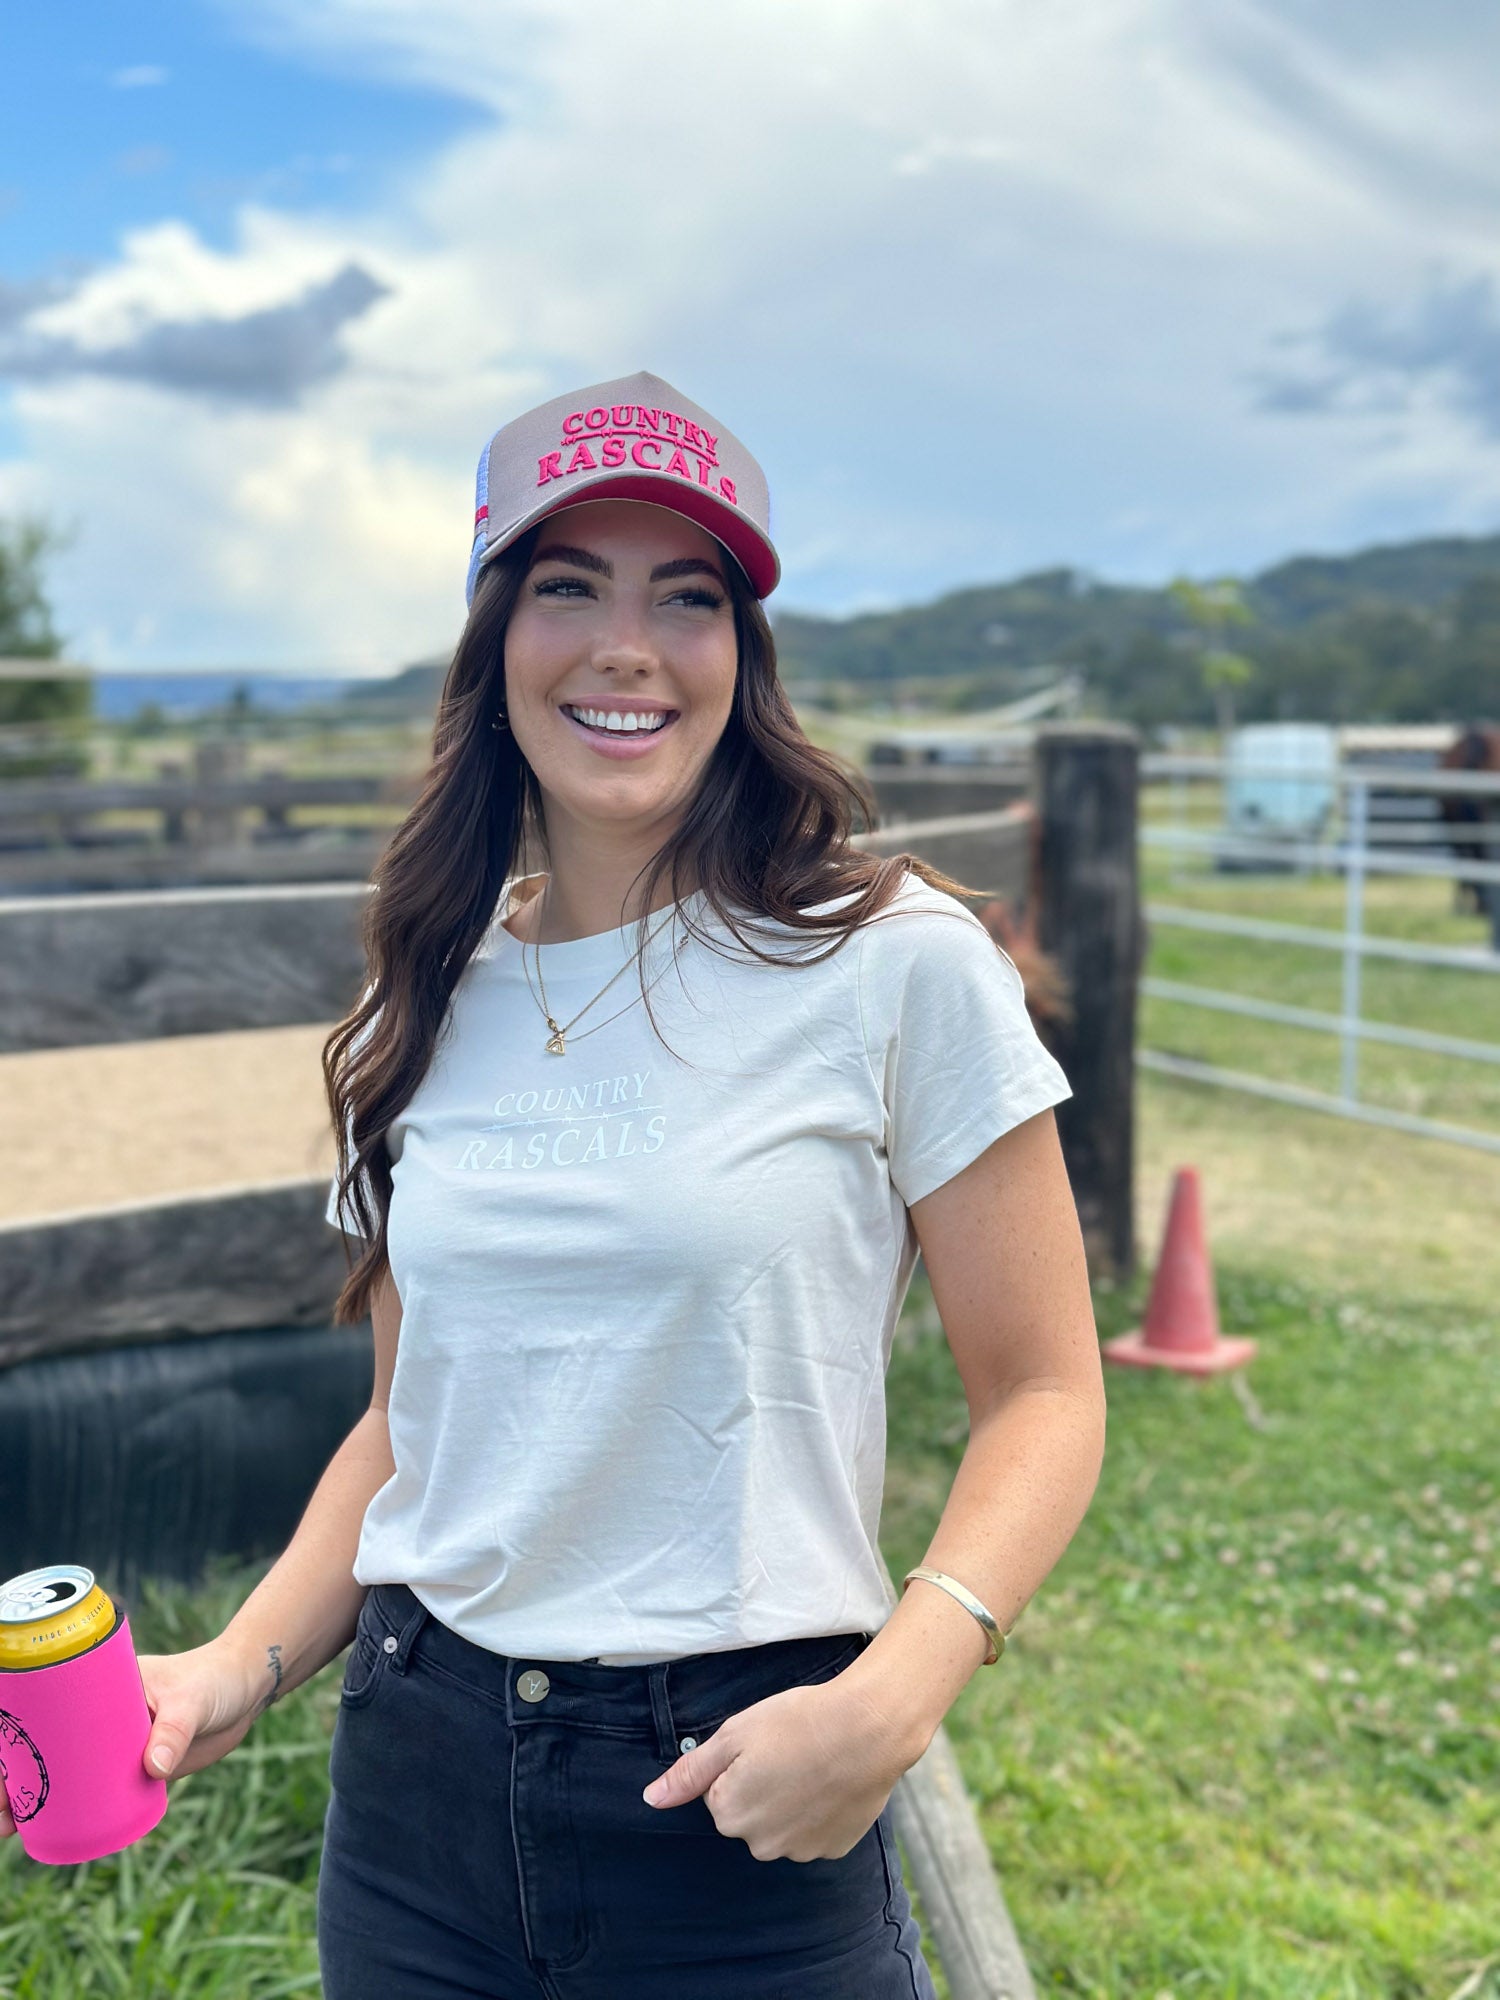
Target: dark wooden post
[[1090, 922], [275, 810], [174, 819]]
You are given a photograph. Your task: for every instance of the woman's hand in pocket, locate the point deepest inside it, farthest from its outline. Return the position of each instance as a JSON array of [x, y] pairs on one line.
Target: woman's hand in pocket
[[803, 1774]]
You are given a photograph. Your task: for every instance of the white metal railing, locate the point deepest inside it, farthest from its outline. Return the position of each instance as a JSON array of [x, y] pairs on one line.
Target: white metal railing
[[1356, 856], [1466, 957], [1379, 777], [1317, 1100], [1322, 854], [1342, 1025]]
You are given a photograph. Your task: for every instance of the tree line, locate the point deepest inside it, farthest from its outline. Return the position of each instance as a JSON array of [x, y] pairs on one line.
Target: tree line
[[1407, 632], [1404, 633]]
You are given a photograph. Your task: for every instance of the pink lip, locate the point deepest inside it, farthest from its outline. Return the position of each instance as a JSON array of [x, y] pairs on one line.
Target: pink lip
[[627, 744]]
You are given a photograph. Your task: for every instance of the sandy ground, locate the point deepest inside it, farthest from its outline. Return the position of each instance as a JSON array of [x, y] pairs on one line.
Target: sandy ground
[[1340, 1204], [134, 1120]]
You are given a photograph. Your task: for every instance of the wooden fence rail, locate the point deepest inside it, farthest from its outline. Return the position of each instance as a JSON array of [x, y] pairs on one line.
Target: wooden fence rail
[[220, 825], [972, 1932]]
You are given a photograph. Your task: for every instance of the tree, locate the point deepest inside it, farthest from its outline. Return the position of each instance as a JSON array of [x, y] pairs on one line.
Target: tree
[[27, 633], [239, 710], [1213, 608], [1470, 686]]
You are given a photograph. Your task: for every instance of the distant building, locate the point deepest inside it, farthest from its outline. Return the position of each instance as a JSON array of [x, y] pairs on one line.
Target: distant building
[[1279, 780]]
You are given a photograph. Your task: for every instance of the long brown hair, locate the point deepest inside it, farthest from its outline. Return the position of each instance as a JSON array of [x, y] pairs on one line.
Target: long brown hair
[[767, 831]]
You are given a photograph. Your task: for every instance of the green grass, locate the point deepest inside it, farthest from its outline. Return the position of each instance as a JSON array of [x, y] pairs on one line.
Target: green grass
[[1344, 1207], [1246, 1740], [217, 1902]]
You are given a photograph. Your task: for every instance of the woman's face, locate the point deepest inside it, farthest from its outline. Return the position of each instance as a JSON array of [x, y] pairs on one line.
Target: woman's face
[[625, 612]]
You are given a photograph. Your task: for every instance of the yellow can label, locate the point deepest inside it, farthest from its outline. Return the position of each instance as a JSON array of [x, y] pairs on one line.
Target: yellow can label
[[47, 1615]]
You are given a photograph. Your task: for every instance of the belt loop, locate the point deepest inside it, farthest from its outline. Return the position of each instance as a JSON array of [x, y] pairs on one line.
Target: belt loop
[[661, 1710], [409, 1631]]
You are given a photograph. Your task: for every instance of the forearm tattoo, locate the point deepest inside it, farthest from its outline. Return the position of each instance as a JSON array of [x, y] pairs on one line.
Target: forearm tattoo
[[273, 1666]]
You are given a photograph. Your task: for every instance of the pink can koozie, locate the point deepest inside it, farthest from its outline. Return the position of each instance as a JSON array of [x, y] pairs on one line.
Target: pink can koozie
[[73, 1719]]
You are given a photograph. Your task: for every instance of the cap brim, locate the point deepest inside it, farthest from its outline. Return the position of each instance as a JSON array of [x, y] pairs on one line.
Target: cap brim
[[751, 550]]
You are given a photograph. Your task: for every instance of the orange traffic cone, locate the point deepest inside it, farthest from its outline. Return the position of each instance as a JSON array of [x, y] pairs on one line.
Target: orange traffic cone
[[1181, 1328]]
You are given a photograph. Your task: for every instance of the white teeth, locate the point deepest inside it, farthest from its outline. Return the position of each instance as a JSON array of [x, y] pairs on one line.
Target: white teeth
[[615, 720]]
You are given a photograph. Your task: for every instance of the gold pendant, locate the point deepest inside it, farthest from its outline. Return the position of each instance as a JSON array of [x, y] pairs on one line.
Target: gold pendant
[[555, 1045]]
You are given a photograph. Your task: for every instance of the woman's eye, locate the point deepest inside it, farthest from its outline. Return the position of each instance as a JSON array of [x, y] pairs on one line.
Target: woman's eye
[[567, 586]]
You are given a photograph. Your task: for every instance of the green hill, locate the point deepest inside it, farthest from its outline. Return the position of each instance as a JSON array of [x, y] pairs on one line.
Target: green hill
[[1405, 632], [1417, 576]]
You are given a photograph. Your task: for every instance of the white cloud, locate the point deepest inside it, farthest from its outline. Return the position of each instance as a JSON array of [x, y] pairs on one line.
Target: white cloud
[[285, 539], [139, 76], [984, 285], [271, 356]]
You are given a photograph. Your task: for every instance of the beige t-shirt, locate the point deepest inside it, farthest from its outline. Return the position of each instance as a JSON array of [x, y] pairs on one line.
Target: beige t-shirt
[[648, 1293]]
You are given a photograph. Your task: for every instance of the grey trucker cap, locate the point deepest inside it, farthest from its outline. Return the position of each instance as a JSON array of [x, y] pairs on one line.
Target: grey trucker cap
[[636, 438]]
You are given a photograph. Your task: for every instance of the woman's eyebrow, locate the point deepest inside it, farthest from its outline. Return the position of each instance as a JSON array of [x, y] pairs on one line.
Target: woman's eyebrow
[[579, 558], [687, 566], [586, 559]]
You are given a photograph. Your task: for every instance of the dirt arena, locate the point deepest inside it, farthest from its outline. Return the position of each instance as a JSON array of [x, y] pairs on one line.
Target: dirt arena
[[136, 1120]]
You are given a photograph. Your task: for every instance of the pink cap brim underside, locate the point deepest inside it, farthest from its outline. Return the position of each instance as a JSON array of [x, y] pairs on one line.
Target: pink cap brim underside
[[754, 556]]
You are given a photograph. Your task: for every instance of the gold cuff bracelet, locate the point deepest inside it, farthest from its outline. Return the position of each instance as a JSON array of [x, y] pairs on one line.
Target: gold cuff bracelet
[[969, 1602]]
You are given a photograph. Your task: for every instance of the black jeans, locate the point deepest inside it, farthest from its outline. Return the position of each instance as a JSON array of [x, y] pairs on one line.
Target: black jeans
[[483, 1845]]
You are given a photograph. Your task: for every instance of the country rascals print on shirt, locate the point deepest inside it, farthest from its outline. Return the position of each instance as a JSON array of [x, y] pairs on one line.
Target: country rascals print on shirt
[[569, 1125]]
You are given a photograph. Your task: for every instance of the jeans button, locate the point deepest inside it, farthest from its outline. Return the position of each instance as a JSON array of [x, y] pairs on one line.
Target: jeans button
[[688, 1743], [532, 1685], [390, 1644]]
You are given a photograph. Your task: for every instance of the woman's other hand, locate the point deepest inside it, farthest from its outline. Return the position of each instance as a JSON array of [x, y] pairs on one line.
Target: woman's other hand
[[803, 1774], [201, 1702]]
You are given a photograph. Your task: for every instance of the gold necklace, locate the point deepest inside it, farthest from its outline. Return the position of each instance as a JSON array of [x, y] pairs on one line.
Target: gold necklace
[[555, 1044]]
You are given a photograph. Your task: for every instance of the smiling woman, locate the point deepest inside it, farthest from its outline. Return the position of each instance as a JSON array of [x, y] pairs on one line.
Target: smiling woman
[[637, 1167], [621, 651]]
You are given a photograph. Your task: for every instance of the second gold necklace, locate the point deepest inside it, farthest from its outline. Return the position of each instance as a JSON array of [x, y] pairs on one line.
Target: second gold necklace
[[555, 1044]]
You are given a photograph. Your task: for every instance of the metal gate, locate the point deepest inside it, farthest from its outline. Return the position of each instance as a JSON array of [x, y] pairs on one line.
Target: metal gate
[[1415, 847]]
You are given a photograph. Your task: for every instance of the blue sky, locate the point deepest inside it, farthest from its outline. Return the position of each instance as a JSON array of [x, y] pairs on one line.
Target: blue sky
[[1140, 286], [115, 116]]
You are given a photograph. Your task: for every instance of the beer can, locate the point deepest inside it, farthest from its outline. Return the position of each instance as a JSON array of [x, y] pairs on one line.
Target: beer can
[[52, 1614], [74, 1719]]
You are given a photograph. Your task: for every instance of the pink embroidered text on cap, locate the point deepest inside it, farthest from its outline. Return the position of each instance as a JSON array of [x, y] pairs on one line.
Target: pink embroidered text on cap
[[637, 438], [632, 428]]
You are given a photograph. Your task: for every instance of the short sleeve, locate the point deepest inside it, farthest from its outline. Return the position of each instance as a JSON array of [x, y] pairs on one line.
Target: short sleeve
[[950, 1043]]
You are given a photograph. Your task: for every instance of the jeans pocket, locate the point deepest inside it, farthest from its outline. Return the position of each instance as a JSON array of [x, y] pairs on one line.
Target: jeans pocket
[[826, 1669], [366, 1663], [830, 1669]]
